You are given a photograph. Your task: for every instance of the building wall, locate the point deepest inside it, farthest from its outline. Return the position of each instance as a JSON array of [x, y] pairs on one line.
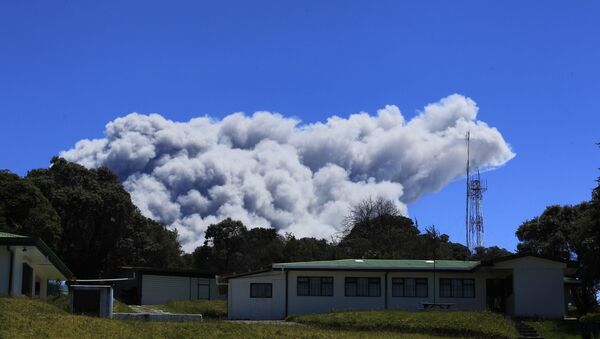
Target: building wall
[[241, 306], [4, 270], [538, 287], [319, 304], [337, 302], [158, 289], [415, 303]]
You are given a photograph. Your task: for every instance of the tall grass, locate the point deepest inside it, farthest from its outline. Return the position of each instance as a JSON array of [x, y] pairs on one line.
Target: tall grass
[[455, 323], [27, 318]]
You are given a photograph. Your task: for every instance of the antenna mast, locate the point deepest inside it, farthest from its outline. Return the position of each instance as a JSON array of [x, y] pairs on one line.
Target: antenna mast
[[474, 213], [468, 240]]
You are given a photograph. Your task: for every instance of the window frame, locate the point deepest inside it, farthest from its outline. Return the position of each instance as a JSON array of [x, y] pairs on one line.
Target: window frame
[[417, 281], [323, 281], [255, 295], [449, 283], [370, 281]]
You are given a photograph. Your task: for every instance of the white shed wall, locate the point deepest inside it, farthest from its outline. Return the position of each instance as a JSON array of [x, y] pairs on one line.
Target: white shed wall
[[241, 306], [538, 287], [158, 289]]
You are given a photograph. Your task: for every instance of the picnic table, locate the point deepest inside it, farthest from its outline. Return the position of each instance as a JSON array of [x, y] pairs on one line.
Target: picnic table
[[439, 306]]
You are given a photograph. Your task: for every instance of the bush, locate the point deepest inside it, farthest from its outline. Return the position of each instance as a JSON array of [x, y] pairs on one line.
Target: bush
[[450, 323], [591, 325]]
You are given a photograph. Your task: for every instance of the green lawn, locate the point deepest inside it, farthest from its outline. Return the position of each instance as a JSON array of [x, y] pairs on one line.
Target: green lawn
[[208, 308], [27, 318], [449, 323]]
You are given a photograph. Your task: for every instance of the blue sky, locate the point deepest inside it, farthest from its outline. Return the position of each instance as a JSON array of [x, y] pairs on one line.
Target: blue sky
[[69, 67]]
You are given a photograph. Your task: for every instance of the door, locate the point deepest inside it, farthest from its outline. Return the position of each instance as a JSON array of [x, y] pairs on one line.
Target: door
[[497, 290], [26, 282]]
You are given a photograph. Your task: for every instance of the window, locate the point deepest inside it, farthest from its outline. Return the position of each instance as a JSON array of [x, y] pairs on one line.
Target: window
[[457, 288], [261, 290], [363, 287], [409, 287], [314, 286]]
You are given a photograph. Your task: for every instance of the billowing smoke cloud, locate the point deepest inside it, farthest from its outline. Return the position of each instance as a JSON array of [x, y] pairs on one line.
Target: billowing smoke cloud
[[270, 170]]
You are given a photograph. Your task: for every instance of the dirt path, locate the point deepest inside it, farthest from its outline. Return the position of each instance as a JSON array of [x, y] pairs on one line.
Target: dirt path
[[147, 309], [265, 322]]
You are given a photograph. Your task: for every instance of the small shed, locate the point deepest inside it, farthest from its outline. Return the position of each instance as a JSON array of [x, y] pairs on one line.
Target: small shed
[[148, 286], [96, 300]]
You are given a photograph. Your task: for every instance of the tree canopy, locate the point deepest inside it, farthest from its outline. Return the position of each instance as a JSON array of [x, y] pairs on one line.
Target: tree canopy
[[87, 217]]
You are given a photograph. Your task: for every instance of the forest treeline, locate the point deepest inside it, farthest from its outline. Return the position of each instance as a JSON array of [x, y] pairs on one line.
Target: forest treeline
[[88, 219]]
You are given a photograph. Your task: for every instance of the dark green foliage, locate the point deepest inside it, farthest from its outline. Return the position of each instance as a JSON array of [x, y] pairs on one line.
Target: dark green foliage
[[375, 230], [489, 253], [86, 217], [307, 249], [232, 247], [25, 210], [569, 233]]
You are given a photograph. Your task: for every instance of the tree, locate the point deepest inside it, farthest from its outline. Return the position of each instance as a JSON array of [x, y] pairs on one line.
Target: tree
[[25, 210], [569, 233], [307, 249], [101, 228], [489, 253]]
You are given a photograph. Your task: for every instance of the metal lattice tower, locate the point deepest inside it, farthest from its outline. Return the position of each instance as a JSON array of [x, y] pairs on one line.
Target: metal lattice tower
[[474, 213]]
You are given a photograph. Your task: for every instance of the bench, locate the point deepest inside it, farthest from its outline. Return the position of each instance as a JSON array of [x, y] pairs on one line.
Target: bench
[[438, 306]]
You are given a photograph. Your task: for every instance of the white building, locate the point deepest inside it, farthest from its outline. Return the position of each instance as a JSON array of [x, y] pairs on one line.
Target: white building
[[26, 266], [149, 286], [518, 285]]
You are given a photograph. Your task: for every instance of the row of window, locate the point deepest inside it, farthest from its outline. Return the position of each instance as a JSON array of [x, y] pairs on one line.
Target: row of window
[[371, 287]]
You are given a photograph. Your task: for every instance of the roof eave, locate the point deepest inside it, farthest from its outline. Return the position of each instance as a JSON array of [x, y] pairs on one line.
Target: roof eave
[[41, 245]]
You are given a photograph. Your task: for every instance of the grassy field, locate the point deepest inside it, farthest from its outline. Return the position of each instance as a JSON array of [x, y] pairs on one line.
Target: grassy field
[[208, 308], [465, 324], [26, 318]]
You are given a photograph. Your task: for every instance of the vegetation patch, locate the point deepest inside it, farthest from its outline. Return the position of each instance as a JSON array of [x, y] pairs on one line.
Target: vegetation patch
[[30, 318], [556, 329], [455, 323], [208, 308]]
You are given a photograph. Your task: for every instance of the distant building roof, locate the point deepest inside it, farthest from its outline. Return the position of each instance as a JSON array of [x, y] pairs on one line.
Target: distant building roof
[[169, 271], [381, 264], [10, 235]]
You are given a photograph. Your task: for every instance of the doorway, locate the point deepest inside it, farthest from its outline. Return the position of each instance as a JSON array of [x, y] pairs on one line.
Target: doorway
[[497, 291]]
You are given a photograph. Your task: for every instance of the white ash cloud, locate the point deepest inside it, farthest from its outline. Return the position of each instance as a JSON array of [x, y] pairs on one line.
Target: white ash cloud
[[273, 171]]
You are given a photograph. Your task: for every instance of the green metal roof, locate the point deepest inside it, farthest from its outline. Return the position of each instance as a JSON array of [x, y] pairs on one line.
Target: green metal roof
[[380, 264], [10, 235]]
